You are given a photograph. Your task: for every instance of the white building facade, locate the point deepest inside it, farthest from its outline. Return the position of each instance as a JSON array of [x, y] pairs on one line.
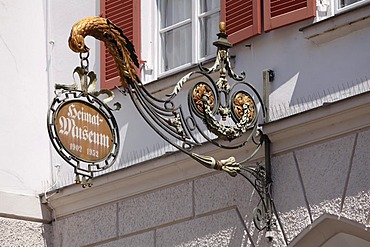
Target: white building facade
[[154, 195]]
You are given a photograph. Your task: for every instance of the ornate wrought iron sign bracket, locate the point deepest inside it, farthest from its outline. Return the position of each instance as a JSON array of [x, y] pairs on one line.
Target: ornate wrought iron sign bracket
[[224, 114]]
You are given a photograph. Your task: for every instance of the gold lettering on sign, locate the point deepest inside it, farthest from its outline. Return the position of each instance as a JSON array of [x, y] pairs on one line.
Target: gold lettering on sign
[[84, 131]]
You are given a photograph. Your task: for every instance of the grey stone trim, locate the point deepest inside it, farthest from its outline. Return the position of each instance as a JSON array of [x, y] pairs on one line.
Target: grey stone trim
[[303, 189]]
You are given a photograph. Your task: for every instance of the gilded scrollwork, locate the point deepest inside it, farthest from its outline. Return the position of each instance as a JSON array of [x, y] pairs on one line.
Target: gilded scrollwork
[[226, 132]]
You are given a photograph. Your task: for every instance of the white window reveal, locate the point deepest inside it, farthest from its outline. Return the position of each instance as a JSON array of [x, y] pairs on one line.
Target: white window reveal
[[187, 29]]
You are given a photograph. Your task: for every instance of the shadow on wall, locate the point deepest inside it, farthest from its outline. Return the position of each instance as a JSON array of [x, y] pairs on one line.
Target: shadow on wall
[[284, 103]]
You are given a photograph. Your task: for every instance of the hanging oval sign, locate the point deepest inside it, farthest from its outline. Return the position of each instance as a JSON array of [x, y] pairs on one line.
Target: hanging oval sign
[[83, 131]]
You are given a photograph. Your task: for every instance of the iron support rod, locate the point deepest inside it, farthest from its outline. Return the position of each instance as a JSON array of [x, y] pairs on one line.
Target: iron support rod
[[268, 182]]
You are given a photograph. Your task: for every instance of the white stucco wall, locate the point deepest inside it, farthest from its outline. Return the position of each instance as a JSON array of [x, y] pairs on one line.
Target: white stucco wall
[[61, 17], [34, 56], [24, 143]]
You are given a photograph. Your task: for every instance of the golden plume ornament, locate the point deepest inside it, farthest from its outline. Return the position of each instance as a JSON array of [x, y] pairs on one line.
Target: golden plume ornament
[[118, 45]]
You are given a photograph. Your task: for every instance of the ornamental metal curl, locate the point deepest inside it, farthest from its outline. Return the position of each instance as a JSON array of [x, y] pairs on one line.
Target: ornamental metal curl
[[213, 111]]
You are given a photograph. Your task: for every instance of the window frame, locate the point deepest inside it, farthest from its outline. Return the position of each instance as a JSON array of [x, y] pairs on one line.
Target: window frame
[[195, 39], [338, 10], [205, 15], [167, 29]]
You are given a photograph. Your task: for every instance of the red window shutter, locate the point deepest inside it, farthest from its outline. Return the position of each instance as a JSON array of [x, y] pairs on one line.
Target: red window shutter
[[278, 13], [126, 15], [242, 17]]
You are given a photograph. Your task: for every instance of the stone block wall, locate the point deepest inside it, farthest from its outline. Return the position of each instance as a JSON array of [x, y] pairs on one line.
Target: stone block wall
[[213, 210], [14, 232], [216, 209], [328, 177]]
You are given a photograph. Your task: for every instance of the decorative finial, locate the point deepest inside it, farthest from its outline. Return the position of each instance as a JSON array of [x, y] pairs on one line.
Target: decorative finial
[[222, 27], [222, 41]]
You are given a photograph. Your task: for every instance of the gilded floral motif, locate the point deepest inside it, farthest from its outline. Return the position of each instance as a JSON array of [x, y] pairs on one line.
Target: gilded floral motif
[[241, 99], [203, 90]]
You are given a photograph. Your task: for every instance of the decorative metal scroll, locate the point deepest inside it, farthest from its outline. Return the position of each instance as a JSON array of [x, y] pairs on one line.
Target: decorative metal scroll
[[200, 110], [215, 112]]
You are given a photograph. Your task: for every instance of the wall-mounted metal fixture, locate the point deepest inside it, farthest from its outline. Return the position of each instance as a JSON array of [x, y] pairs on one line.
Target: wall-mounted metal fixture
[[222, 110], [268, 77]]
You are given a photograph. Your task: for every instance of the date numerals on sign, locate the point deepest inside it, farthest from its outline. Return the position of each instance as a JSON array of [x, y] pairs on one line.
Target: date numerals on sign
[[75, 147], [79, 149], [84, 131], [92, 152]]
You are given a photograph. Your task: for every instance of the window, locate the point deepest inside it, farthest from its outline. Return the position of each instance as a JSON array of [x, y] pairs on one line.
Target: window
[[209, 18], [187, 30], [179, 33], [346, 4], [175, 33], [343, 3]]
